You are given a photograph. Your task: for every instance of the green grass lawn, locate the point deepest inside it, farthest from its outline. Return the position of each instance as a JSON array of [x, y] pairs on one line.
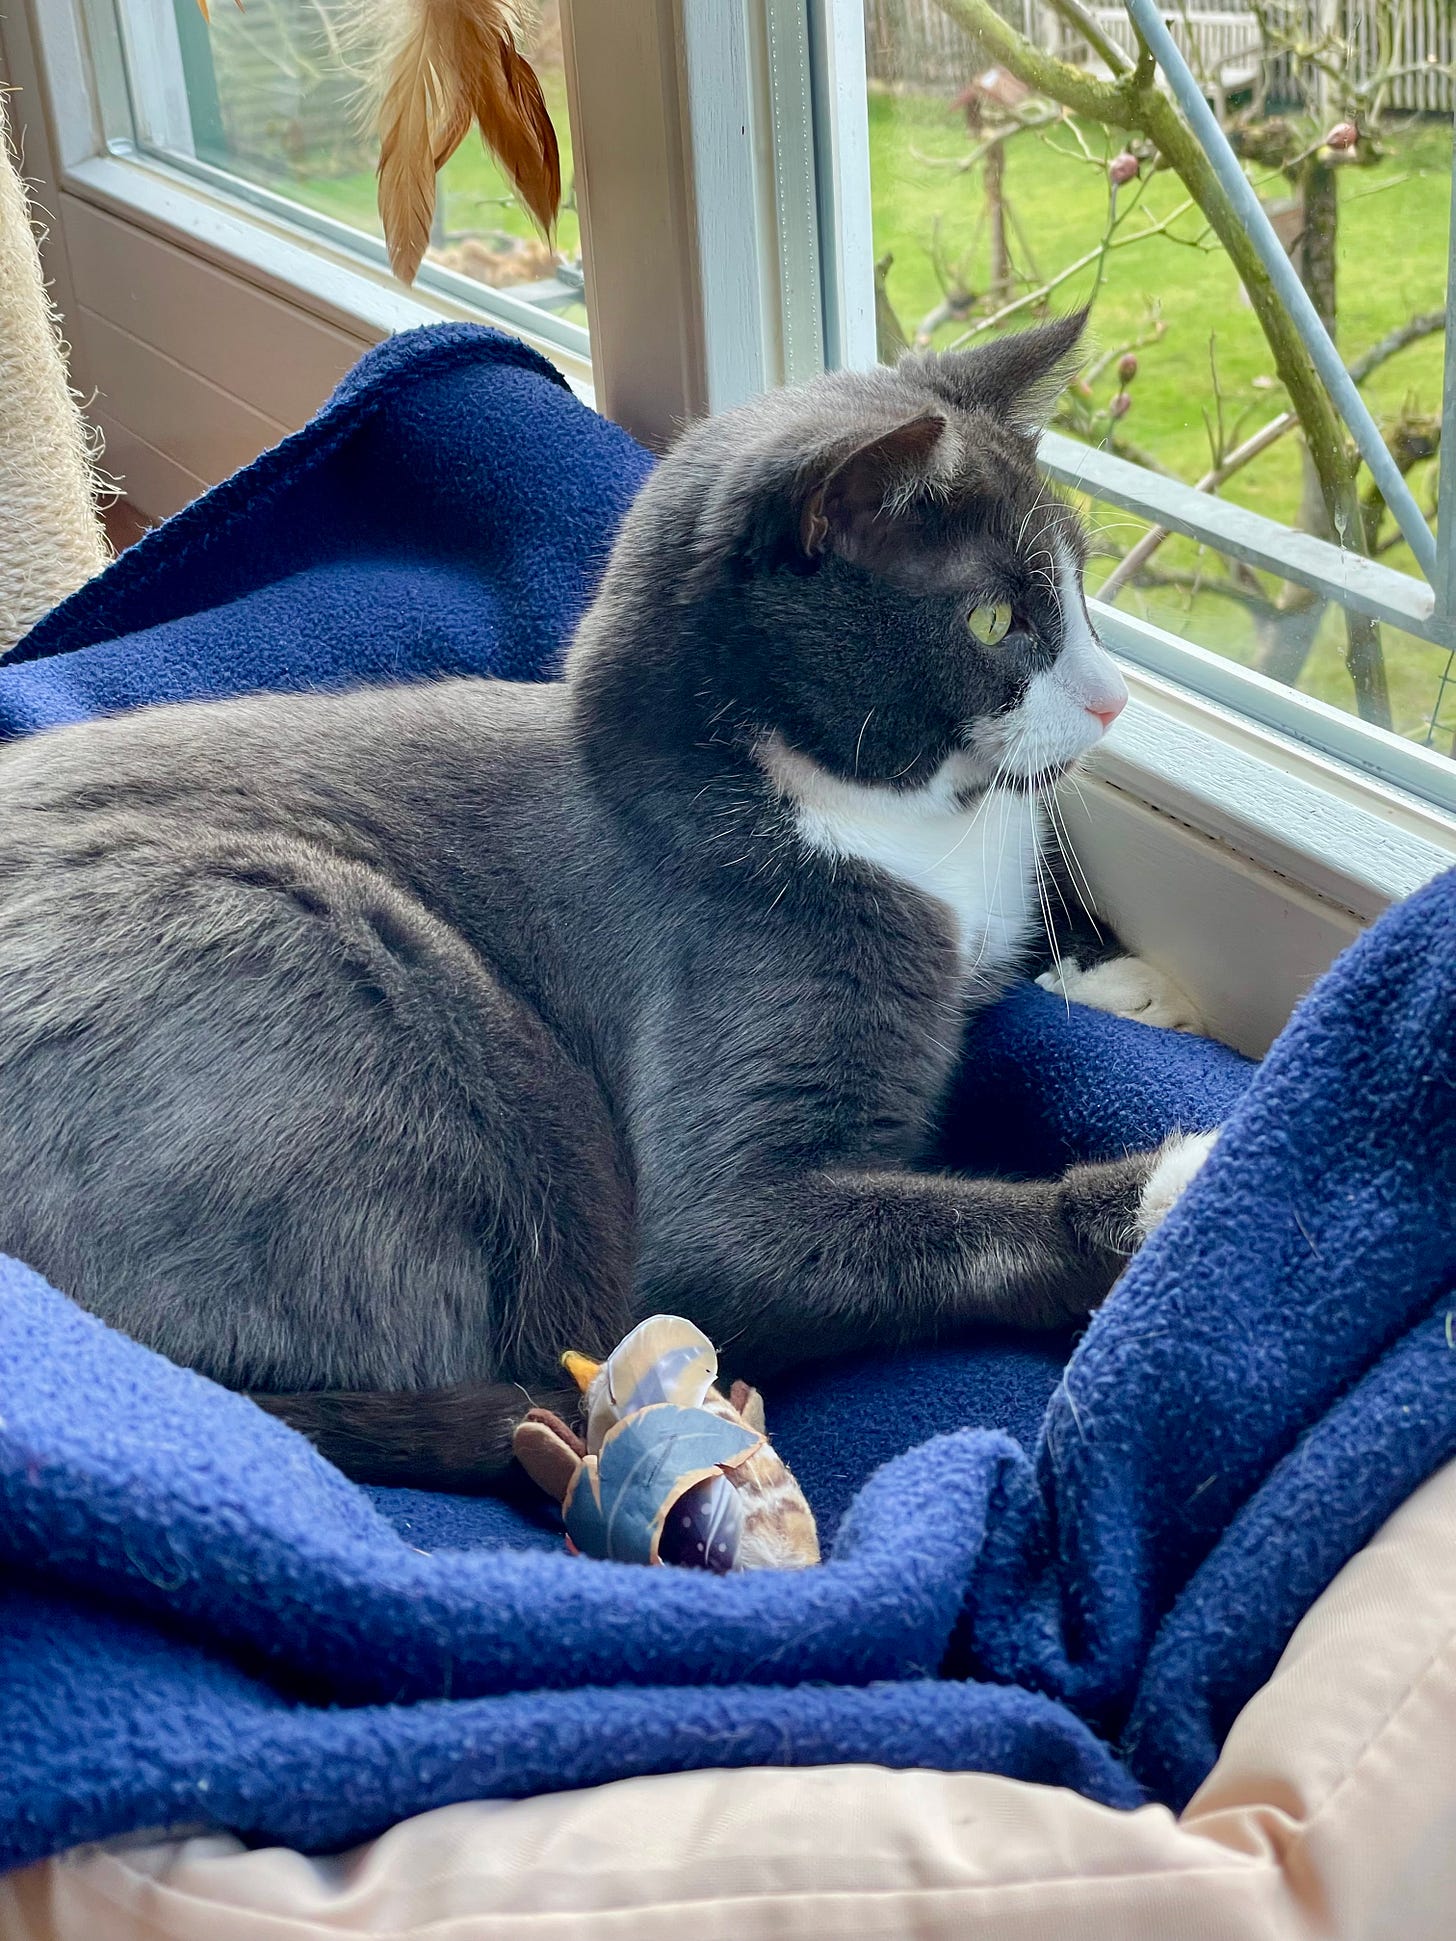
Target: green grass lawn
[[1392, 264]]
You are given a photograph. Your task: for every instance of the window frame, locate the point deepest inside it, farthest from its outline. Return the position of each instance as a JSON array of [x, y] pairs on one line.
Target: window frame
[[723, 188]]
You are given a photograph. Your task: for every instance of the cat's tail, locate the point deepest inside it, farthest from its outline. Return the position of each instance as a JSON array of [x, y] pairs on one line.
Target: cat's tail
[[455, 1439]]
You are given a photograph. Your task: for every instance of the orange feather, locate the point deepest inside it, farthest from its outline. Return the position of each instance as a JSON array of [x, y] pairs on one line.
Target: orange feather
[[534, 160], [457, 62]]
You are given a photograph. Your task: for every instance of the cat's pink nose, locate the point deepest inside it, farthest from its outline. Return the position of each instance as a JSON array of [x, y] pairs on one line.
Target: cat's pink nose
[[1107, 711]]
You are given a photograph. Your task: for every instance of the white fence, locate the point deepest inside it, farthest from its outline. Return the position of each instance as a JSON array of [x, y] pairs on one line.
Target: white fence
[[1222, 45], [915, 43], [1425, 39]]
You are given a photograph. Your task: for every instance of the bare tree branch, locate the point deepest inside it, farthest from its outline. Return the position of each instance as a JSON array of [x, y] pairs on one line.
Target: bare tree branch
[[1252, 599], [1077, 16], [1410, 332], [1108, 241]]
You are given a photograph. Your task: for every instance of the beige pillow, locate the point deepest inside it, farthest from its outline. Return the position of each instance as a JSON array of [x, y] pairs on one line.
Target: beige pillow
[[1332, 1812]]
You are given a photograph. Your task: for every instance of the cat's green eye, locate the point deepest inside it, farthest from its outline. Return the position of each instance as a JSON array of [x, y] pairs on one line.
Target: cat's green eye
[[990, 623]]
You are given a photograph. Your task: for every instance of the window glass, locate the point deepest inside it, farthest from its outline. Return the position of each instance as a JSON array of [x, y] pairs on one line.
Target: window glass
[[277, 98], [995, 202]]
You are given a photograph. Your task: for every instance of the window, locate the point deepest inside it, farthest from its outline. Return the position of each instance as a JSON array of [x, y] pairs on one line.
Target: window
[[758, 188], [999, 192], [273, 104]]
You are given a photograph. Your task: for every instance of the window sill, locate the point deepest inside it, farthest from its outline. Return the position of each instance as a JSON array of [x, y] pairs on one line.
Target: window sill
[[304, 271], [1327, 828], [1237, 859]]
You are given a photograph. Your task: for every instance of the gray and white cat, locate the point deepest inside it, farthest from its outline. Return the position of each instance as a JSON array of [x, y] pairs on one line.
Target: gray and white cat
[[368, 1050]]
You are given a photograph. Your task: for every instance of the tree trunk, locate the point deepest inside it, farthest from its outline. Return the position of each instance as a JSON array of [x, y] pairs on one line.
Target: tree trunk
[[1287, 636], [996, 214], [1284, 648]]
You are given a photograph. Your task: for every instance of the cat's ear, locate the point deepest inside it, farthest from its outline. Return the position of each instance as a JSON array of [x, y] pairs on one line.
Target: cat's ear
[[857, 490], [1018, 378]]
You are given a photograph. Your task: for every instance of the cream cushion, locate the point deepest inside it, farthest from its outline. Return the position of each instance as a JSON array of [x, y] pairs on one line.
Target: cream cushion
[[1331, 1813]]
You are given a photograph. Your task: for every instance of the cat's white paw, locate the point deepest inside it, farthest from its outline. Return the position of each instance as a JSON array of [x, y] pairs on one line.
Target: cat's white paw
[[1128, 987], [1176, 1166]]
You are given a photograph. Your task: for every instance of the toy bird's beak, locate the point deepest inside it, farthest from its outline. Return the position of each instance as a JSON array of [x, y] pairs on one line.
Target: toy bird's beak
[[582, 1370]]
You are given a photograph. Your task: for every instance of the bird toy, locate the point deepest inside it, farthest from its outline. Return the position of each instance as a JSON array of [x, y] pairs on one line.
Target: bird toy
[[671, 1471]]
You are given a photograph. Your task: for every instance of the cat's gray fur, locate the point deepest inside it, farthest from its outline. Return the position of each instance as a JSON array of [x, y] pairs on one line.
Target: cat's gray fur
[[395, 1041]]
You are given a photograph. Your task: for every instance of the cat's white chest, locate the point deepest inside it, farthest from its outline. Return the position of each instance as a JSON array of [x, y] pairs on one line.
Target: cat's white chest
[[978, 861]]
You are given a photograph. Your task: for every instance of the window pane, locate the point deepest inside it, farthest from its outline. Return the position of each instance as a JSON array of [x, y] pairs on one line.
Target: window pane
[[277, 98], [1250, 616], [994, 203]]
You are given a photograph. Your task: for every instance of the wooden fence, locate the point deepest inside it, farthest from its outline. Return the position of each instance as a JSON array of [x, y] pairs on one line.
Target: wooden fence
[[915, 43], [1425, 40]]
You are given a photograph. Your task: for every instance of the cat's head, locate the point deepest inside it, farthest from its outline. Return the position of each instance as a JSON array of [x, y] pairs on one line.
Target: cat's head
[[868, 570]]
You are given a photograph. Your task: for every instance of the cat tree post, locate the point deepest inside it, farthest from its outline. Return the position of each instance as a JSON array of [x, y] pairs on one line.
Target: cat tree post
[[50, 537]]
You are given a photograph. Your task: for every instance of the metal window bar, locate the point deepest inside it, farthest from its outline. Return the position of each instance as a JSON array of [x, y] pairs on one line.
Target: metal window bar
[[1292, 293], [1367, 585]]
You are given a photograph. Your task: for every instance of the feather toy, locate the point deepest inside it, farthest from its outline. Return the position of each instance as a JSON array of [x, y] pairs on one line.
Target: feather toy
[[444, 64]]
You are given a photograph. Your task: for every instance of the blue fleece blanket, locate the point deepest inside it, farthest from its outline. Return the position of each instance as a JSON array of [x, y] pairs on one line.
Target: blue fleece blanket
[[1068, 1571]]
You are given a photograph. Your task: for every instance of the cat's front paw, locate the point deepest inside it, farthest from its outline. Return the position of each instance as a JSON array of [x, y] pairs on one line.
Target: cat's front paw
[[1175, 1165], [1128, 987]]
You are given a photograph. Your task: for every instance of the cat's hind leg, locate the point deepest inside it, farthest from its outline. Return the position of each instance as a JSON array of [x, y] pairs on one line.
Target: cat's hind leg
[[270, 1116]]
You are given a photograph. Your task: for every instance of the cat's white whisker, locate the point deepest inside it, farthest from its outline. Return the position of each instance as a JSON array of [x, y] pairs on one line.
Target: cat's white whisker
[[997, 780], [1077, 875], [859, 744], [975, 817], [1037, 501], [1046, 912], [1051, 874], [1050, 930]]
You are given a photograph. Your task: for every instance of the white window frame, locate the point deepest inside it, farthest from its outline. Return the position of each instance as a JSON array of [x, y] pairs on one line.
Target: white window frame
[[723, 183]]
